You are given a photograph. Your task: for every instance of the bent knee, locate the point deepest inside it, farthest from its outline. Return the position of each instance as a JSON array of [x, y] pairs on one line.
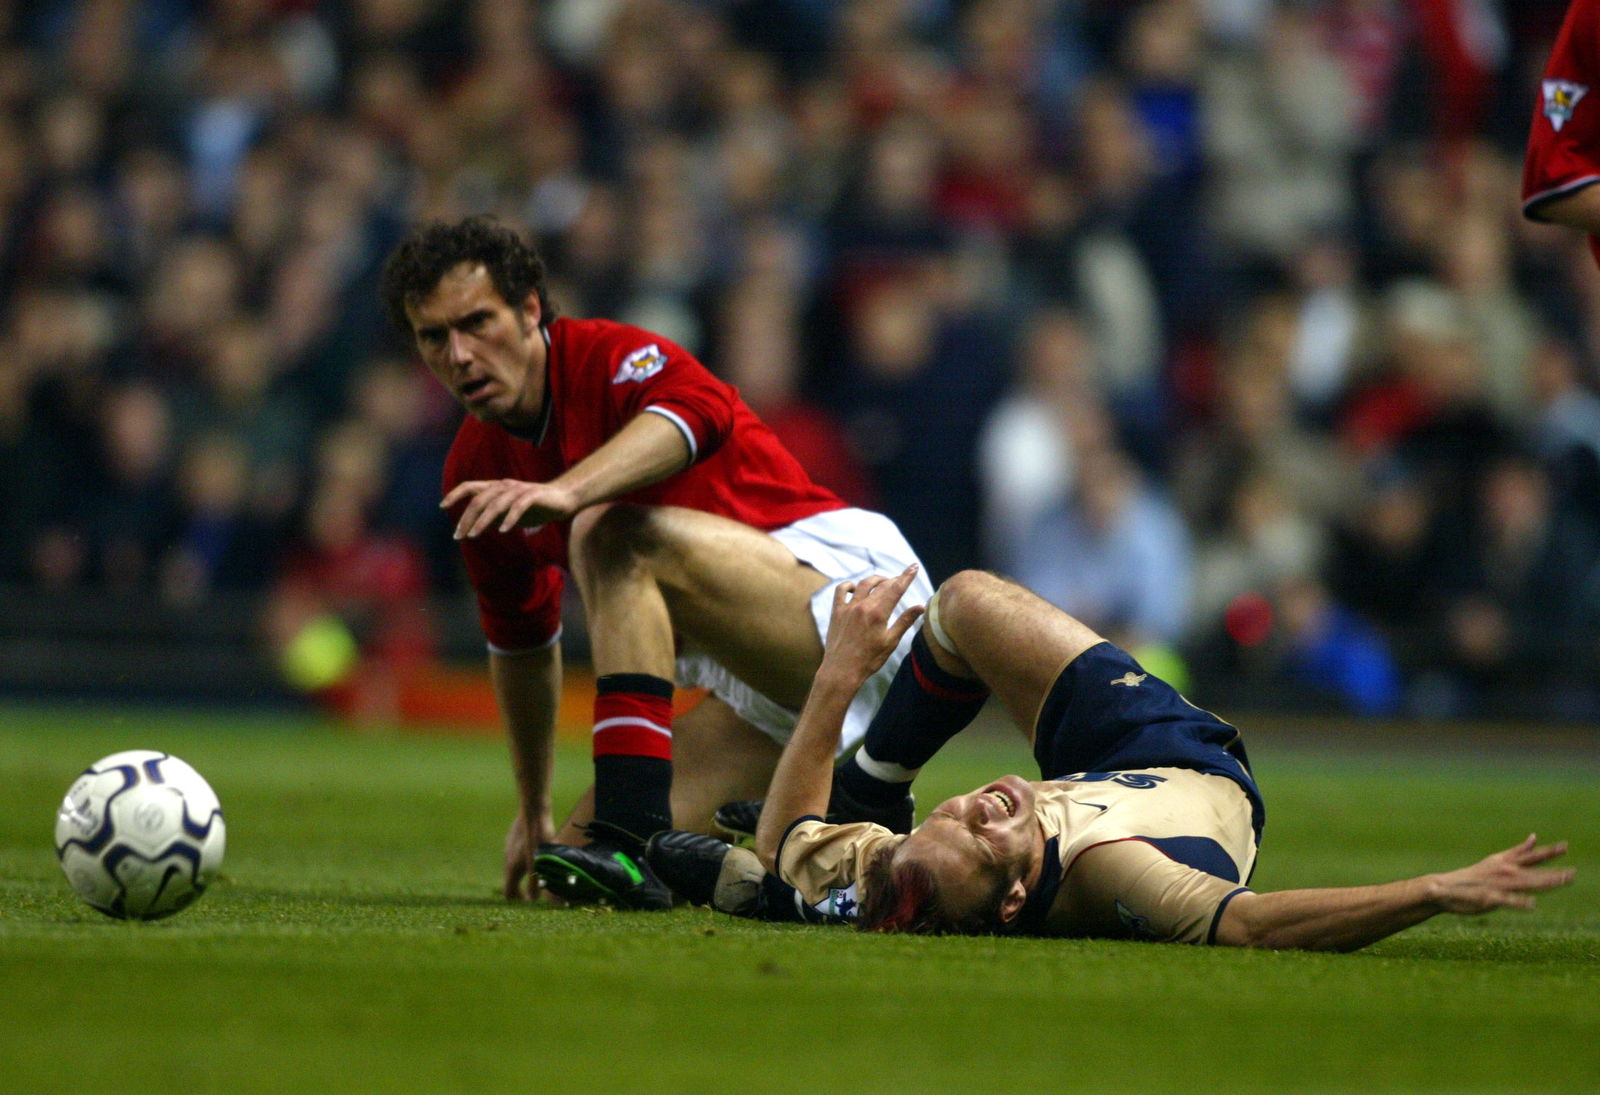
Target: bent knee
[[979, 602], [612, 536], [968, 590]]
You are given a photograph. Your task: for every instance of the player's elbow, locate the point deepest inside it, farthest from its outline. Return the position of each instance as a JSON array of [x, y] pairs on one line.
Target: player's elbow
[[1239, 925]]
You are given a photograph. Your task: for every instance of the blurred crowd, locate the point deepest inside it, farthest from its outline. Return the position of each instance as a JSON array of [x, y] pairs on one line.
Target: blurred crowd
[[1215, 321]]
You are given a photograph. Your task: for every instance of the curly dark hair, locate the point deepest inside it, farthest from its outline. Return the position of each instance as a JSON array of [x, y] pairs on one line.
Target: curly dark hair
[[417, 263]]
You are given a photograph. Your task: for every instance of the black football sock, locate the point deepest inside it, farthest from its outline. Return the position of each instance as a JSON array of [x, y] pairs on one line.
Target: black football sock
[[925, 707]]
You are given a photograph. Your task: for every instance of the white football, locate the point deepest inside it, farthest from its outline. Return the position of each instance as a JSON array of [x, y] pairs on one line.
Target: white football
[[140, 835]]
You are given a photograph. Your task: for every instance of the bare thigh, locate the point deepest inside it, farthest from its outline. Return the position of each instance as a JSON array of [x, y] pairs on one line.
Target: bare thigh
[[742, 596], [717, 758], [1015, 641]]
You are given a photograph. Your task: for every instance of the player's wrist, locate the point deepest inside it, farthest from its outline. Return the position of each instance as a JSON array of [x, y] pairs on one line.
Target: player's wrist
[[564, 499], [839, 678], [534, 800], [1432, 893]]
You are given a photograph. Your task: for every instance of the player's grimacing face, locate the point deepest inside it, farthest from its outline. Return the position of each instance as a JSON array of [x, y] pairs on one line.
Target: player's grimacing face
[[486, 352], [978, 841]]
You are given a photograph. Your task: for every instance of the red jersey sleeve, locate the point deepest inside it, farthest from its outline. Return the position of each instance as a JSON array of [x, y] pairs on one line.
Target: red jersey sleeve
[[1564, 139], [653, 375]]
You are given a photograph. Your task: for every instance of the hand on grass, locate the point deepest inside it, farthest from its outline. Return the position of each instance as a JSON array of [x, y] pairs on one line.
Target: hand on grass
[[521, 884], [1505, 880]]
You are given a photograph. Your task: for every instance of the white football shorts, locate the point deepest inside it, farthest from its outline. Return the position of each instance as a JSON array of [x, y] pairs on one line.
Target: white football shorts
[[843, 545]]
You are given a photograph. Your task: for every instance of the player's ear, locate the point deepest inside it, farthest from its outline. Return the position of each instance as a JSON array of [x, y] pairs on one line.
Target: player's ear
[[1011, 904], [532, 312]]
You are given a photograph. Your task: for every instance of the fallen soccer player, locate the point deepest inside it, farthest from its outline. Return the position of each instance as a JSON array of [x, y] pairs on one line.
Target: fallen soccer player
[[1145, 822]]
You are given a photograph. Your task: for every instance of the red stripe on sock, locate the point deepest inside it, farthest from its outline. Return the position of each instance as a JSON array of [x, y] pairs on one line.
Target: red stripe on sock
[[934, 688], [629, 738], [632, 741]]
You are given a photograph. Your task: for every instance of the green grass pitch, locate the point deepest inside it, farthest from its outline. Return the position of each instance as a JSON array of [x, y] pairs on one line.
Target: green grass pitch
[[355, 943]]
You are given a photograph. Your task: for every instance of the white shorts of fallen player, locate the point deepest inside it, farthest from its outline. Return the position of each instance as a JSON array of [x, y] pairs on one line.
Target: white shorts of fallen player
[[843, 545]]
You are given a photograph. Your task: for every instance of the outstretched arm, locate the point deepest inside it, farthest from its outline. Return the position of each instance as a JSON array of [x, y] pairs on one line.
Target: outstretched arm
[[861, 636], [1349, 918]]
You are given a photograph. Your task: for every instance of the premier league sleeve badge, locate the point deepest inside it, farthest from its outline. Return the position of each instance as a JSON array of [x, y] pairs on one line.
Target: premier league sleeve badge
[[1560, 99]]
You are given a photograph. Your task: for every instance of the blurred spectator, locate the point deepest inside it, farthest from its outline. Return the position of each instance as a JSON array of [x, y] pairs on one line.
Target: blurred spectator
[[1520, 608], [1429, 405], [1280, 125], [760, 356], [1254, 431], [591, 258], [1368, 39], [923, 381], [131, 517], [1027, 450], [1463, 44], [71, 136], [989, 159], [1405, 215], [1065, 257], [194, 288], [1033, 51], [1475, 263], [242, 389], [344, 577], [1335, 330], [1162, 55], [1127, 190], [1565, 431], [237, 80], [71, 240], [220, 544], [1334, 653], [1139, 269], [414, 422], [886, 223], [1114, 553], [1266, 544], [1386, 556], [151, 206]]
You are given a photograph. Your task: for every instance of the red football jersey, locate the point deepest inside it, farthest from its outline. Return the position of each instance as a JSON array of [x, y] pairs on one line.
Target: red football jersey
[[600, 375], [1564, 140]]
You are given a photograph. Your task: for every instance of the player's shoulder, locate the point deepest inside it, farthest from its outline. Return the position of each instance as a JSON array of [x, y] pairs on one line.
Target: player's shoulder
[[619, 350]]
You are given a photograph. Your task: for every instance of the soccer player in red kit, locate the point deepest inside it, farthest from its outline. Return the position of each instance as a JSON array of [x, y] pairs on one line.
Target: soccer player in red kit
[[1563, 160], [702, 550]]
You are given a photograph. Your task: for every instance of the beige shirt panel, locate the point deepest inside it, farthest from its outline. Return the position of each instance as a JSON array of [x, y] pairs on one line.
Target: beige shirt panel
[[1129, 886]]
